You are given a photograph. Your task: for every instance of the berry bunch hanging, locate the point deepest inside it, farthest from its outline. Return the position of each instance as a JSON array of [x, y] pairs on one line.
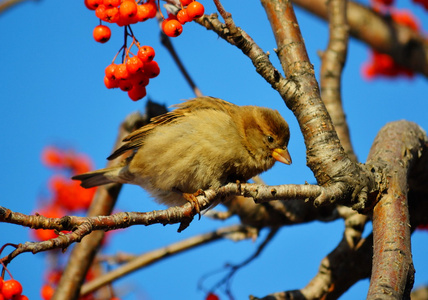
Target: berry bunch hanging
[[133, 73]]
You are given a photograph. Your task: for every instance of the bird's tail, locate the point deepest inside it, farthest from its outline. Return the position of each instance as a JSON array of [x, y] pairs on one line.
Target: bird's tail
[[99, 177]]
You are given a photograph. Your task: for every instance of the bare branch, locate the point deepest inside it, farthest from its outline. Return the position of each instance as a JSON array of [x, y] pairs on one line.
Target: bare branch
[[407, 47], [154, 256], [397, 147], [246, 44], [333, 60]]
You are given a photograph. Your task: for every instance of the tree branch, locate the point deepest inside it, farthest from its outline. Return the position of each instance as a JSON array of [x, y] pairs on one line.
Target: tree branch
[[396, 149], [154, 256], [407, 47], [333, 61]]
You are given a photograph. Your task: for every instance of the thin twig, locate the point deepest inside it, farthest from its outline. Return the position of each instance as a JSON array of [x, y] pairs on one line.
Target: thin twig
[[154, 256], [166, 42]]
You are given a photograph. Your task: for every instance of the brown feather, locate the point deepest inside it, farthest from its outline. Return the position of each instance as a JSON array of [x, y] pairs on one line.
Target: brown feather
[[136, 138]]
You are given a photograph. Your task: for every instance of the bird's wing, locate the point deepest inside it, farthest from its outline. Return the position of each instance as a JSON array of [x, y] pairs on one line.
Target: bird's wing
[[136, 138]]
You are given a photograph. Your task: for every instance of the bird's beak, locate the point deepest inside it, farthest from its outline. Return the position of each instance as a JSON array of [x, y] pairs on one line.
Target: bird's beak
[[282, 155]]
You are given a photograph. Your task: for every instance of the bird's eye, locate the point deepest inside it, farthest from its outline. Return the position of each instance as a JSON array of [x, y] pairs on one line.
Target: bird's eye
[[270, 139]]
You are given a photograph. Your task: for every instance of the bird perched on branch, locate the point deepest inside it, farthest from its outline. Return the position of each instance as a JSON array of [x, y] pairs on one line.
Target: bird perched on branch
[[204, 143]]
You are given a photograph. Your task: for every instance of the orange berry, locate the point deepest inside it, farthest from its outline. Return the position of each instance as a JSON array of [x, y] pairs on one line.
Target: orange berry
[[212, 296], [100, 11], [146, 53], [125, 85], [183, 16], [109, 71], [134, 65], [137, 92], [172, 28], [186, 2], [93, 4], [111, 15], [151, 5], [195, 10], [111, 83], [101, 33], [143, 13], [11, 288], [128, 9], [52, 157], [121, 72], [151, 69], [111, 3], [140, 79], [47, 292]]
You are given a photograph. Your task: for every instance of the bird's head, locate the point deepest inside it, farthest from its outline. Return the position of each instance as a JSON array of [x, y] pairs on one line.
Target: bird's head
[[266, 136]]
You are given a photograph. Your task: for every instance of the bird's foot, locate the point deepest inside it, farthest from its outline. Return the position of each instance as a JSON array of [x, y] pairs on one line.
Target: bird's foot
[[191, 197]]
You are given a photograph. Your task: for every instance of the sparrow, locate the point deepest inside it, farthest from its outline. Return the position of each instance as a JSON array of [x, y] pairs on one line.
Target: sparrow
[[204, 143]]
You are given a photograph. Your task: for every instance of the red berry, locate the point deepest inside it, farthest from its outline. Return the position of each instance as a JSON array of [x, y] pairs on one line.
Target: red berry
[[146, 53], [183, 16], [93, 4], [11, 288], [111, 83], [151, 5], [102, 33], [109, 71], [111, 3], [111, 15], [125, 85], [195, 10], [172, 28], [212, 296], [143, 13], [47, 292], [100, 11], [151, 69], [140, 79], [134, 65], [128, 9], [137, 92], [186, 2], [121, 72], [1, 283]]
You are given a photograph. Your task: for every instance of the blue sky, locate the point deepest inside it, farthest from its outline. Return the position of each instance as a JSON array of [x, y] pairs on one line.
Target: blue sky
[[52, 92]]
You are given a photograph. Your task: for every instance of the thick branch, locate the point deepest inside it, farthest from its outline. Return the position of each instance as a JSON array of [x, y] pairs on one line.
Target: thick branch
[[325, 155], [397, 147], [408, 48]]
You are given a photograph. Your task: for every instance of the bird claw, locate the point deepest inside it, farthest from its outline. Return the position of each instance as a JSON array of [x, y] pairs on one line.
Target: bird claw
[[191, 197]]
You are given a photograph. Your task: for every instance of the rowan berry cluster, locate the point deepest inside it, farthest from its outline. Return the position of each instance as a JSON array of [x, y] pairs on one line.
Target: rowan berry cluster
[[133, 73], [381, 64], [191, 10], [66, 195], [11, 290]]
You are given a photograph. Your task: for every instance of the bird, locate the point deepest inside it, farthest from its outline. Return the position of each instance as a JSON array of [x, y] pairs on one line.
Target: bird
[[204, 143]]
